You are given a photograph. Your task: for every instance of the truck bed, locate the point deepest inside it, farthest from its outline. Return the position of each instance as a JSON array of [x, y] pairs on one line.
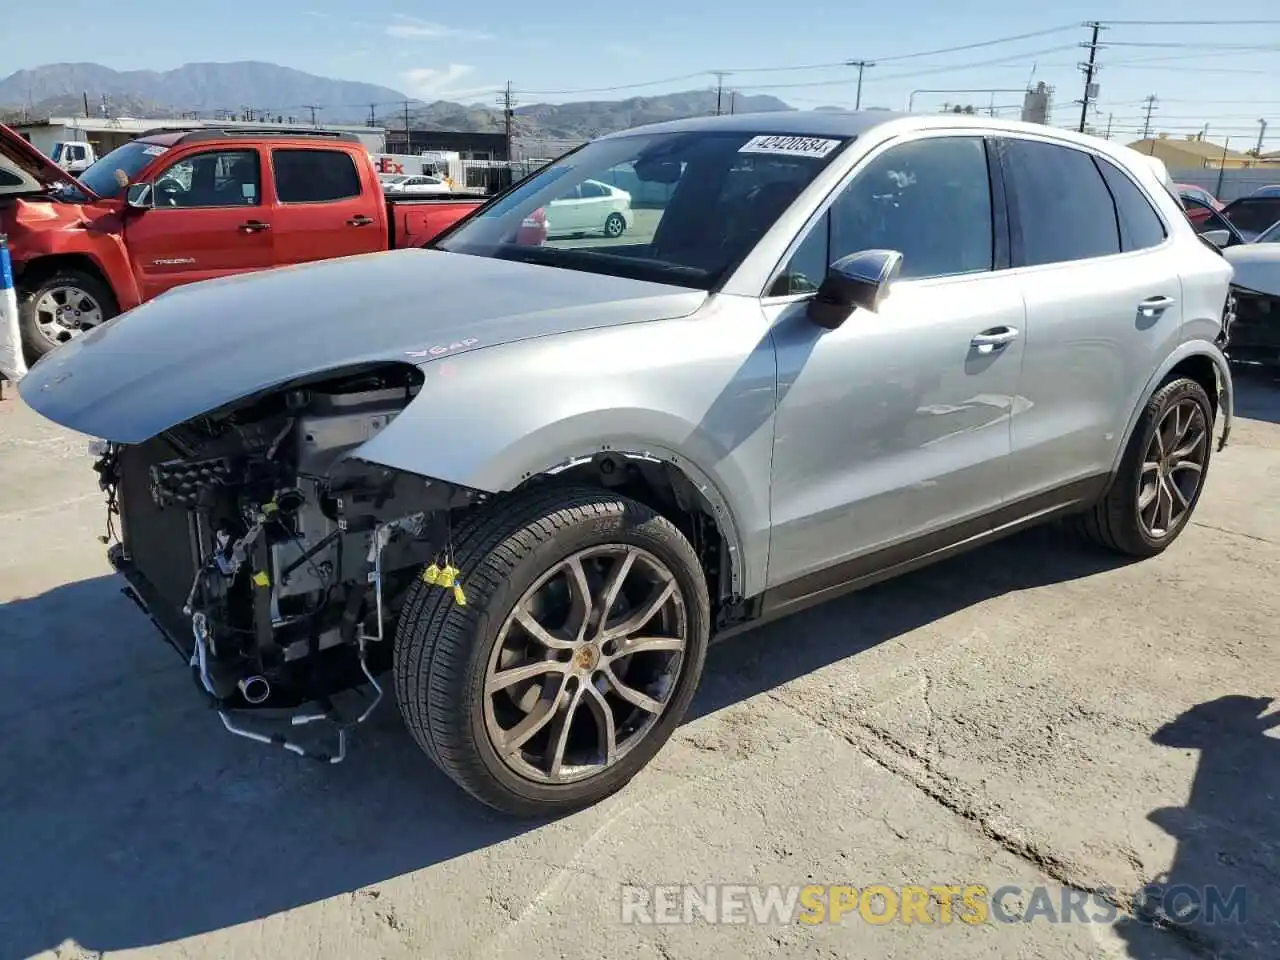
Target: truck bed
[[415, 221]]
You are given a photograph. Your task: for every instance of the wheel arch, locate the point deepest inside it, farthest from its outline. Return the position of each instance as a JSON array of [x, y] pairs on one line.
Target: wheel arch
[[1200, 361]]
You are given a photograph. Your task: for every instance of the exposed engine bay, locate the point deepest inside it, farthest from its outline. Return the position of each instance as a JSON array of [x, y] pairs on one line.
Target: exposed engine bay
[[268, 554]]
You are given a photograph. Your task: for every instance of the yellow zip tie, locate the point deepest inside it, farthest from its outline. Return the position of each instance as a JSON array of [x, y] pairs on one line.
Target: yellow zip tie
[[459, 597], [261, 579], [448, 576], [431, 574]]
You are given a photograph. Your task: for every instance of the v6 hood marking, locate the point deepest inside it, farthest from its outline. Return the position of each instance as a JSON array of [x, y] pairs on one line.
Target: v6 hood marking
[[200, 347]]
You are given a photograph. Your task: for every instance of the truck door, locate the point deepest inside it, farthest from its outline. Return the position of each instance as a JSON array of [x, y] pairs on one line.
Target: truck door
[[323, 206], [209, 219]]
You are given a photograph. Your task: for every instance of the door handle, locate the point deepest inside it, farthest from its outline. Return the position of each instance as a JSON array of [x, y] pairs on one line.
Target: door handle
[[1154, 305], [360, 221], [253, 226], [989, 341]]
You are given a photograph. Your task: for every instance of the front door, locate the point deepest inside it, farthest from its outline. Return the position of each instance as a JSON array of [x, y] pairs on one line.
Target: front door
[[209, 220], [322, 208], [895, 425]]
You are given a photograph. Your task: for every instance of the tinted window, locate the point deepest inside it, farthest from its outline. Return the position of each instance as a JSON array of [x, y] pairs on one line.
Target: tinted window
[[1252, 215], [1063, 207], [220, 178], [590, 189], [808, 265], [930, 200], [1140, 226], [314, 176]]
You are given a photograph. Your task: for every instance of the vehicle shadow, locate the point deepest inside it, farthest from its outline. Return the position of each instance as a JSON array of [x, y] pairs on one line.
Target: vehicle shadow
[[132, 819], [1221, 891], [1257, 392]]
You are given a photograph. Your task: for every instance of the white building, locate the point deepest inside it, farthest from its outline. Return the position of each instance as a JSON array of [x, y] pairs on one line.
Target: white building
[[107, 133]]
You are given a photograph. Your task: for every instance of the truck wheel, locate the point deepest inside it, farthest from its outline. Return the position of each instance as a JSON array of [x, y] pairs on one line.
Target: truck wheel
[[576, 655], [1160, 477], [61, 307], [614, 225]]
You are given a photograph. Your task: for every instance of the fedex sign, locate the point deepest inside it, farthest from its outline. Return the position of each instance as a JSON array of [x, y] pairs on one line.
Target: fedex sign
[[387, 165]]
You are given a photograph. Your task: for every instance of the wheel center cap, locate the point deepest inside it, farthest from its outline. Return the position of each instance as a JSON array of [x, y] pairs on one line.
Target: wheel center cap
[[586, 658]]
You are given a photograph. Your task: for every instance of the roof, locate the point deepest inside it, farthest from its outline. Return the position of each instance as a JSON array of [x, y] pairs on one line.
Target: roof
[[1205, 149], [137, 125]]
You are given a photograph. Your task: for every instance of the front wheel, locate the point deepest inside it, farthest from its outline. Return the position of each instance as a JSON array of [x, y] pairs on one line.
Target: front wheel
[[615, 225], [575, 657], [61, 307], [1161, 475]]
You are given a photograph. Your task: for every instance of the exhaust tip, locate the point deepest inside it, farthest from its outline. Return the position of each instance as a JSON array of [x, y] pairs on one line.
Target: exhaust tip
[[255, 690]]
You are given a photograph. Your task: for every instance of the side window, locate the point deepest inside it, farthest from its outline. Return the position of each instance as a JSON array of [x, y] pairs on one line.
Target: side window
[[223, 178], [929, 199], [314, 176], [590, 189], [808, 265], [1140, 226], [1064, 208]]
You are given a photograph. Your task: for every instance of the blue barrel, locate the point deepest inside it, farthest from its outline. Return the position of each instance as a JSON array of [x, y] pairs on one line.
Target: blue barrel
[[6, 265]]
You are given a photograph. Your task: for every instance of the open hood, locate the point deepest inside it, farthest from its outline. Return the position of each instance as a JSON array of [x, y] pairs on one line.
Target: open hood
[[201, 347], [24, 169]]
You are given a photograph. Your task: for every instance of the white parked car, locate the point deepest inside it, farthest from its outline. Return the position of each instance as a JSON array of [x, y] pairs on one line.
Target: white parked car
[[590, 207], [414, 185]]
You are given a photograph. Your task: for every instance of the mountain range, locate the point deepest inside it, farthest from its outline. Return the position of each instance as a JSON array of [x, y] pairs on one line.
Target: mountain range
[[269, 90]]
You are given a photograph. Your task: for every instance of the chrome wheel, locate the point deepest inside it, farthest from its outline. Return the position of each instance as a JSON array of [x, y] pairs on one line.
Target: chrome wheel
[[1173, 468], [64, 312], [585, 664], [614, 225]]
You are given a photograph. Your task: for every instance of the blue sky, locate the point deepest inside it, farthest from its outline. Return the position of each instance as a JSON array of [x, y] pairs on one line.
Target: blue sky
[[552, 50]]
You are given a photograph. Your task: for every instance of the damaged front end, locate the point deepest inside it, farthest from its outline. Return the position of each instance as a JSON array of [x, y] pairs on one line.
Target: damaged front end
[[269, 553]]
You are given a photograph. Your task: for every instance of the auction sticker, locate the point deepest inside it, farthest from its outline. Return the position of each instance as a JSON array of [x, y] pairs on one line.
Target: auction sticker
[[790, 146], [154, 151]]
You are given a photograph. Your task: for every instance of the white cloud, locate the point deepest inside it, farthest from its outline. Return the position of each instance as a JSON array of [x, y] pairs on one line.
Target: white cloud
[[411, 28], [441, 83]]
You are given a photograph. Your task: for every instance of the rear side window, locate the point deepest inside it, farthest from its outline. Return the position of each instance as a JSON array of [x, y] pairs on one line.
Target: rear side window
[[1140, 226], [1063, 208], [1252, 215], [314, 176]]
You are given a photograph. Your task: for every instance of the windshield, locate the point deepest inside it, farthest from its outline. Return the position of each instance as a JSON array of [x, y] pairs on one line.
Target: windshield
[[110, 175], [678, 208], [1270, 235], [1252, 215]]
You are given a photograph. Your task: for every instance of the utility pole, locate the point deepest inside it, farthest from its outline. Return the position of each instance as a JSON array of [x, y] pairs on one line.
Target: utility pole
[[861, 65], [733, 96], [719, 75], [508, 103], [106, 106], [1262, 132], [373, 115], [86, 103], [405, 104], [313, 107], [1090, 71], [1222, 167], [1110, 117], [1146, 121]]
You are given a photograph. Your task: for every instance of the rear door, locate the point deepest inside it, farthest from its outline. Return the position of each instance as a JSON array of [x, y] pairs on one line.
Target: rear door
[[324, 207], [1103, 300], [209, 220]]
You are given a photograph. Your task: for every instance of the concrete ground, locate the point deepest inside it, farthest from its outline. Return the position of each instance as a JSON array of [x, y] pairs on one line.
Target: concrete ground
[[1032, 714]]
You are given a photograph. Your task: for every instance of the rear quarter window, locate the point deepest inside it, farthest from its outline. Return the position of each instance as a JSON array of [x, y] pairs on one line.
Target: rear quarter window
[[1140, 225]]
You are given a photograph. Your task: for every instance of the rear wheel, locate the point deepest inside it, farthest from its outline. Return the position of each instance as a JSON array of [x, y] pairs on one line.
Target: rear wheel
[[615, 225], [61, 307], [575, 657], [1161, 475]]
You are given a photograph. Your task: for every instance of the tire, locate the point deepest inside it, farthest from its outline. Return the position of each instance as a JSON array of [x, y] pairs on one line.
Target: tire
[[615, 225], [1116, 522], [444, 652], [36, 342]]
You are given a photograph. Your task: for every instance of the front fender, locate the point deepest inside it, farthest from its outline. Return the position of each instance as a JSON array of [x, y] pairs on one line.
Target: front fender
[[1184, 351], [492, 418]]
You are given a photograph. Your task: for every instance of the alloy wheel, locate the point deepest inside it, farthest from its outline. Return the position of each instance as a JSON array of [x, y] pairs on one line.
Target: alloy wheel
[[585, 664], [1173, 468], [62, 313]]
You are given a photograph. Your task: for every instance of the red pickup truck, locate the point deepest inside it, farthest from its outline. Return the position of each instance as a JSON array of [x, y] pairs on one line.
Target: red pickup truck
[[177, 206]]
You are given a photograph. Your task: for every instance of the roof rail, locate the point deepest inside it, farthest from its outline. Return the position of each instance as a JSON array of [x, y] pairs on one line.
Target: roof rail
[[196, 134]]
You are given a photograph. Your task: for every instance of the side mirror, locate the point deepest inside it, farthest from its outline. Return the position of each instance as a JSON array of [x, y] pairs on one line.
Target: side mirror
[[1219, 238], [859, 280], [139, 196]]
